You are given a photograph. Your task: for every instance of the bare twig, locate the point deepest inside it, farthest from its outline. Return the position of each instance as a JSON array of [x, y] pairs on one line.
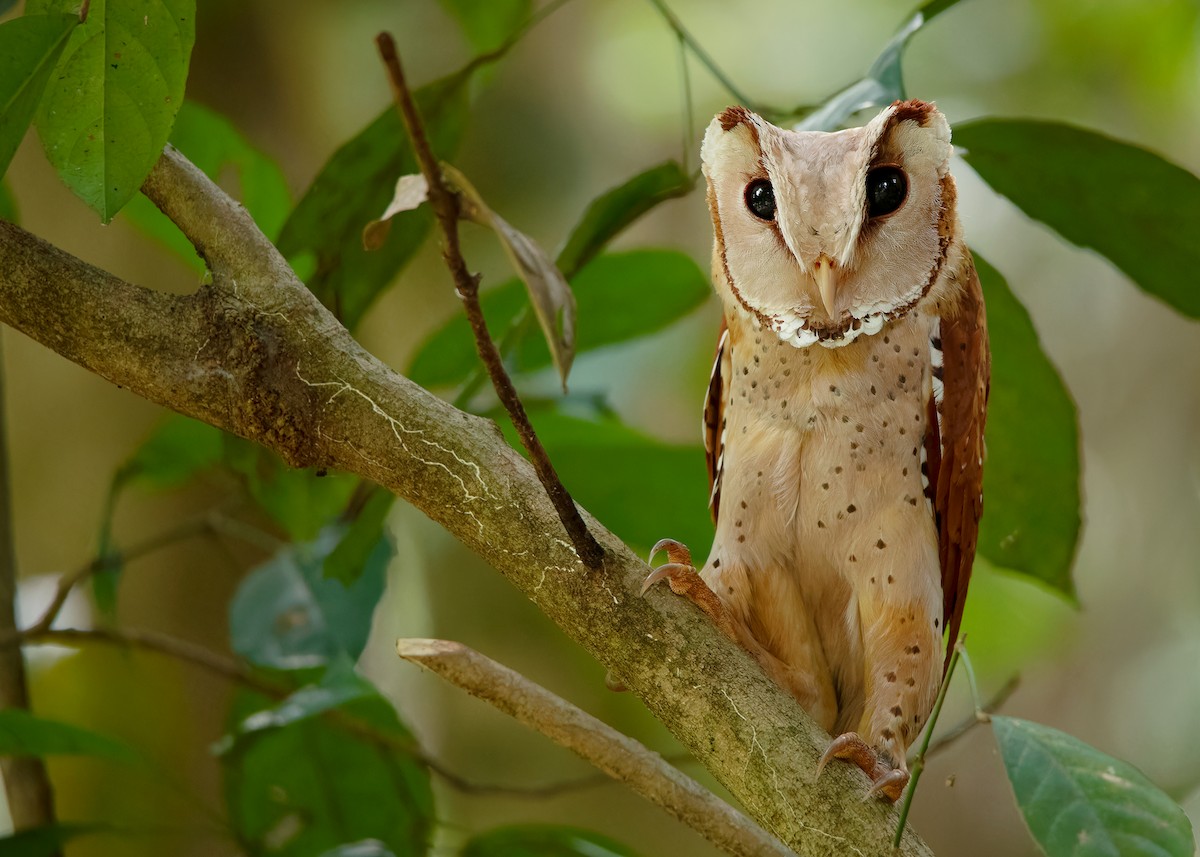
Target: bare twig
[[445, 205], [30, 797], [617, 755]]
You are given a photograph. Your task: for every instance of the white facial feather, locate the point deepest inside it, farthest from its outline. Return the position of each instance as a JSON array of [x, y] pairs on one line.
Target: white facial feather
[[883, 267]]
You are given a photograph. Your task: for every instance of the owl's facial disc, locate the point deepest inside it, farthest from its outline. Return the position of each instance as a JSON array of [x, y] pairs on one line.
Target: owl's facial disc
[[823, 238]]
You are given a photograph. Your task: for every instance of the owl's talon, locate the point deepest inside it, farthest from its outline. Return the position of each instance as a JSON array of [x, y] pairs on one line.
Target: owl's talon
[[666, 572], [891, 786], [677, 552], [886, 781]]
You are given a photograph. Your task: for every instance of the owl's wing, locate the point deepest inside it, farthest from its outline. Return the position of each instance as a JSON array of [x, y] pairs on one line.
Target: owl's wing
[[714, 421], [954, 447]]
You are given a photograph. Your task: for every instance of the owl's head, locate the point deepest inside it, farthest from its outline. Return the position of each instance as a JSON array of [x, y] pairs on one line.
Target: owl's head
[[823, 237]]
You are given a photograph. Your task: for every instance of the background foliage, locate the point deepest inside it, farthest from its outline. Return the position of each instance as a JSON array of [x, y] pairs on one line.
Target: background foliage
[[561, 131]]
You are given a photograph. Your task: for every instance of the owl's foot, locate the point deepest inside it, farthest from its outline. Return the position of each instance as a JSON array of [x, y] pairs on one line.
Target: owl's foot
[[886, 781], [684, 580]]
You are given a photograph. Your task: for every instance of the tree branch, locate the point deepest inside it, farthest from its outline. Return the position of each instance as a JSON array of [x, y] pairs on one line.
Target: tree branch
[[445, 205], [256, 354], [617, 755]]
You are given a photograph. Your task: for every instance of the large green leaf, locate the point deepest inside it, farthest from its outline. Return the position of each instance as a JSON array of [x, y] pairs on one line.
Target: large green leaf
[[611, 212], [543, 840], [883, 83], [354, 187], [1079, 802], [312, 786], [1132, 206], [488, 24], [47, 841], [641, 488], [619, 296], [25, 734], [212, 143], [29, 49], [108, 110], [286, 614], [1031, 478]]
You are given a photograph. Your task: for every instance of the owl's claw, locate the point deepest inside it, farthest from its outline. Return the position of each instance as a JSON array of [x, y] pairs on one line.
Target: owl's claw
[[886, 781], [686, 581]]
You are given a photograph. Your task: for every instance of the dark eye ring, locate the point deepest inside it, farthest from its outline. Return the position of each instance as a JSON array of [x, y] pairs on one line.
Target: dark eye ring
[[887, 188], [760, 199]]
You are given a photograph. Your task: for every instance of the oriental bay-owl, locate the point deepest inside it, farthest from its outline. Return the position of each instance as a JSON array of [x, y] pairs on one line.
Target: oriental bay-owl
[[844, 419]]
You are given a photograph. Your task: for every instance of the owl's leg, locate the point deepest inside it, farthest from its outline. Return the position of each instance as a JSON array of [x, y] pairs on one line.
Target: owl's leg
[[684, 580], [902, 669]]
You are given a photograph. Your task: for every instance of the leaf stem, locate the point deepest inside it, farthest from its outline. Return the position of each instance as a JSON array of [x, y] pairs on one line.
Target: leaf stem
[[918, 765], [445, 205]]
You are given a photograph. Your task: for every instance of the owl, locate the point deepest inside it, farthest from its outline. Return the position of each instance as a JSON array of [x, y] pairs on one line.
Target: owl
[[844, 420]]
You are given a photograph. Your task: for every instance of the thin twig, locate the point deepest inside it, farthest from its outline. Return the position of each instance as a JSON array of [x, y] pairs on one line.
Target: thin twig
[[918, 765], [445, 205], [26, 784], [617, 755]]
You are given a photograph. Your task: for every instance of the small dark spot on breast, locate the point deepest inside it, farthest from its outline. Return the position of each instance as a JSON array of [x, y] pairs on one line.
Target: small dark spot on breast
[[753, 384], [881, 544], [853, 558], [837, 469], [845, 418], [858, 427], [853, 445], [902, 430], [897, 711], [903, 380], [825, 486], [886, 339], [851, 508], [889, 578], [874, 358], [717, 564], [742, 537], [731, 590], [820, 525], [937, 622], [737, 523], [887, 734], [911, 682], [890, 676], [916, 353], [904, 471], [873, 392], [896, 348], [787, 372], [745, 370]]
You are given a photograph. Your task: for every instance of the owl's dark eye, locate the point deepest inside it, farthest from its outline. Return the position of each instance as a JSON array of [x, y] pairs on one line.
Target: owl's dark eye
[[760, 199], [886, 190]]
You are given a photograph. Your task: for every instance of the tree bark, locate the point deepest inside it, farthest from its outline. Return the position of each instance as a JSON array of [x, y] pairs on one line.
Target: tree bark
[[255, 353]]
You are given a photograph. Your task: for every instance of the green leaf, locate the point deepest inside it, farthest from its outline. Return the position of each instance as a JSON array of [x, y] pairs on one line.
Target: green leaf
[[108, 110], [1050, 171], [213, 144], [884, 81], [361, 540], [286, 614], [339, 684], [611, 212], [47, 841], [543, 840], [29, 48], [8, 205], [354, 187], [1079, 802], [664, 285], [313, 786], [488, 23], [301, 501], [6, 5], [640, 487], [1031, 477], [25, 734]]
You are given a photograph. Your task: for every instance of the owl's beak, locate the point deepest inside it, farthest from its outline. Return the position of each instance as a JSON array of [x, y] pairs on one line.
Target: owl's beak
[[823, 273]]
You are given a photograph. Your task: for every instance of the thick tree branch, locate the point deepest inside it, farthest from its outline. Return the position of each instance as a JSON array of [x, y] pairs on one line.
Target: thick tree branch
[[617, 755], [256, 354]]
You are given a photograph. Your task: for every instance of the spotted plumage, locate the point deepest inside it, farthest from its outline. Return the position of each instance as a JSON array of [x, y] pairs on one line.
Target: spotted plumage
[[844, 420]]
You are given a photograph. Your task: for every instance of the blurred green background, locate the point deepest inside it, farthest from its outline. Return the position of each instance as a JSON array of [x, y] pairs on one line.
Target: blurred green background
[[591, 96]]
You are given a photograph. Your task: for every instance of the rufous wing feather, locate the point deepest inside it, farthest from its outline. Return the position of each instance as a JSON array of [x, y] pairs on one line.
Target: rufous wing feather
[[956, 461]]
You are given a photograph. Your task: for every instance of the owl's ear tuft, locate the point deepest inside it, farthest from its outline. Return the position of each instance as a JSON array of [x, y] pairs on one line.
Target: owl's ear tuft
[[918, 111], [733, 116]]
